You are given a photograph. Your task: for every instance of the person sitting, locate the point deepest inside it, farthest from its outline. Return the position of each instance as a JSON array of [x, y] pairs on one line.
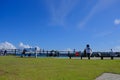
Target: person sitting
[[29, 54], [77, 54]]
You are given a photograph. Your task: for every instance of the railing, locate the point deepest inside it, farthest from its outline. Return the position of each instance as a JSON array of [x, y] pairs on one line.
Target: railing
[[54, 53]]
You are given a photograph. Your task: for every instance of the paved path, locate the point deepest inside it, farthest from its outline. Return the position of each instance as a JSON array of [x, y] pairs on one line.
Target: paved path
[[108, 76], [92, 58]]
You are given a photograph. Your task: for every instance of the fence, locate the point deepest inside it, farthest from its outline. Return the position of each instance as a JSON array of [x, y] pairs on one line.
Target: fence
[[55, 53]]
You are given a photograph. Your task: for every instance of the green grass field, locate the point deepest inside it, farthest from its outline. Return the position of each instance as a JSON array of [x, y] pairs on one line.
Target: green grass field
[[15, 68]]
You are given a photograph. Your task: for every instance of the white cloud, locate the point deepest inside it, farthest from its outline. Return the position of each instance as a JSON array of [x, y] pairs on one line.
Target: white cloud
[[60, 11], [38, 48], [69, 49], [116, 49], [101, 5], [21, 45], [7, 45], [117, 21]]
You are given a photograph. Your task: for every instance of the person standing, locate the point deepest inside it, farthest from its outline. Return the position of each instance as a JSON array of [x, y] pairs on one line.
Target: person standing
[[5, 52], [23, 53], [69, 54], [88, 51], [112, 54]]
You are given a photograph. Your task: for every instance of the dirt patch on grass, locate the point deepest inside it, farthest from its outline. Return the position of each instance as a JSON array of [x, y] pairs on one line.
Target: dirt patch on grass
[[2, 72]]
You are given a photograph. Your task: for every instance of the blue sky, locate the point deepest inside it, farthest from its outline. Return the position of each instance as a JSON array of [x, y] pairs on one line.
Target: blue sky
[[61, 24]]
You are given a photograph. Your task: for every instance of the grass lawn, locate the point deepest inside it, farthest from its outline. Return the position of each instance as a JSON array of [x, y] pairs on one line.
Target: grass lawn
[[15, 68]]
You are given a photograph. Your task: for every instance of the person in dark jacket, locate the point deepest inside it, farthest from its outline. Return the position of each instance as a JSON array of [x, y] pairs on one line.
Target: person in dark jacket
[[23, 53]]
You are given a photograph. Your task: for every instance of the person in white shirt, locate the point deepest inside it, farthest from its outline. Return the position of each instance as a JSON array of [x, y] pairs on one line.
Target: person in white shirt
[[88, 51]]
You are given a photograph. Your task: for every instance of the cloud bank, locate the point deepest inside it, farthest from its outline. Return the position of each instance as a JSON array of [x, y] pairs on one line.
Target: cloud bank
[[38, 48], [7, 45], [116, 49], [68, 49], [21, 45]]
